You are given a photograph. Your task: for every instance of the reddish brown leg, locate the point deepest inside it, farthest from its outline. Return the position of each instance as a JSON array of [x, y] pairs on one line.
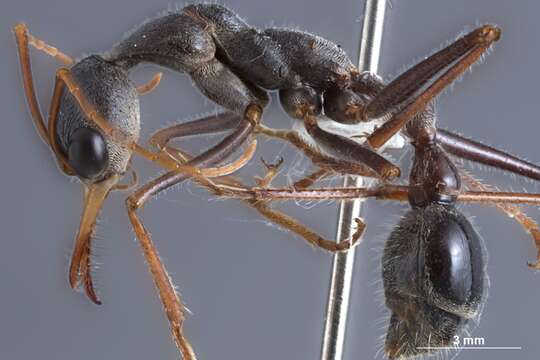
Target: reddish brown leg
[[474, 45], [311, 179], [513, 211], [344, 148], [503, 200], [285, 221], [170, 299], [382, 192], [208, 125], [172, 303], [218, 184], [340, 166], [289, 223], [502, 197], [468, 149], [272, 171], [411, 81]]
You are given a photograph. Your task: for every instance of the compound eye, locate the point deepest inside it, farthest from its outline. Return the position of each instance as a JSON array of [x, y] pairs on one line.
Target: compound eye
[[87, 153]]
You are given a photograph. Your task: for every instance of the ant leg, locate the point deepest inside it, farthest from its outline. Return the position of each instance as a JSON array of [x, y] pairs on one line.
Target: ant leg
[[305, 103], [172, 303], [228, 180], [502, 197], [382, 192], [218, 184], [220, 84], [338, 165], [207, 125], [513, 211], [214, 155], [283, 220], [311, 179], [505, 198], [289, 223], [345, 148], [412, 80], [474, 151], [271, 172], [471, 47], [170, 299]]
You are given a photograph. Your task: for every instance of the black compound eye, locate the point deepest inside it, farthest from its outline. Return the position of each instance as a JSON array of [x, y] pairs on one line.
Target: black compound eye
[[87, 153]]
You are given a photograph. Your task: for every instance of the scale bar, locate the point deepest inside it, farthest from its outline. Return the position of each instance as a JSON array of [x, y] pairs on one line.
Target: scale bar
[[469, 348]]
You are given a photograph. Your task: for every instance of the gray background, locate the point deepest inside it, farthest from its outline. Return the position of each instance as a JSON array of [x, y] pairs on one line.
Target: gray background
[[255, 292]]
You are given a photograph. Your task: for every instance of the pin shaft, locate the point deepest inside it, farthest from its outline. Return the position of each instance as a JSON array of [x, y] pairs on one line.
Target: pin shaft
[[342, 267]]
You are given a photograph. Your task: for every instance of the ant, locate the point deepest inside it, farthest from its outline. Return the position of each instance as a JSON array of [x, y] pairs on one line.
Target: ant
[[93, 124]]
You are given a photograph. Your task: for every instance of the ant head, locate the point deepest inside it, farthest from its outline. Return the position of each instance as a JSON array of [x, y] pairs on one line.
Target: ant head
[[96, 88], [92, 89], [93, 155]]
